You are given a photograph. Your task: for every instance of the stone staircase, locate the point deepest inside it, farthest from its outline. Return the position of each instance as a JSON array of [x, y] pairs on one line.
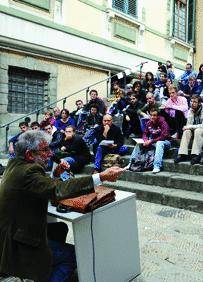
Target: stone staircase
[[178, 185]]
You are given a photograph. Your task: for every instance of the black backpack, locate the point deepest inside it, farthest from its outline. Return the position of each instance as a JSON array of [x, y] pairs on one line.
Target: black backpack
[[2, 168], [143, 162]]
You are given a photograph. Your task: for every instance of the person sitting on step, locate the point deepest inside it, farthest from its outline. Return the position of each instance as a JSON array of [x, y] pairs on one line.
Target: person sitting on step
[[193, 129], [12, 142], [131, 122], [75, 151], [155, 135], [175, 112], [105, 132]]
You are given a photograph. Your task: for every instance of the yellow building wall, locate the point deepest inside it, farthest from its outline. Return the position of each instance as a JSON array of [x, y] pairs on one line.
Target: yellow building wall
[[84, 17], [156, 15], [73, 78], [155, 45]]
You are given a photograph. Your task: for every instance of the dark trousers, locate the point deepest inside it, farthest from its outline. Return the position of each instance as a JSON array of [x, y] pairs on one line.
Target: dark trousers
[[175, 123], [132, 126], [64, 260]]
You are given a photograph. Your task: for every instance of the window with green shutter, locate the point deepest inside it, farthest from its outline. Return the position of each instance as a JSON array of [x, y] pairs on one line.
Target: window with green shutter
[[128, 7]]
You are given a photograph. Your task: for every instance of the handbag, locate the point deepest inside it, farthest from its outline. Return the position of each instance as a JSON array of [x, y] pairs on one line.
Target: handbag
[[112, 160], [92, 201]]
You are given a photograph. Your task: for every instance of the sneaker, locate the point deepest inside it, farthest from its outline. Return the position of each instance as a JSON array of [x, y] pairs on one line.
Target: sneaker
[[127, 167], [195, 159], [181, 158], [156, 170], [96, 171], [174, 136], [132, 135]]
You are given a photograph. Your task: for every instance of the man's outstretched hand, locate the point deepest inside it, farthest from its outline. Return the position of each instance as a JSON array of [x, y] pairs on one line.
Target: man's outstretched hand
[[111, 174]]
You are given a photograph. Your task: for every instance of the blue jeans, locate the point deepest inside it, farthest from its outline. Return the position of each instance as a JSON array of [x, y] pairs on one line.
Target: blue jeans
[[160, 147], [64, 261]]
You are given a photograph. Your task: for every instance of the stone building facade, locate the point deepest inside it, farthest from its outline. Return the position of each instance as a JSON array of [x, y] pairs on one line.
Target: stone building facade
[[52, 48]]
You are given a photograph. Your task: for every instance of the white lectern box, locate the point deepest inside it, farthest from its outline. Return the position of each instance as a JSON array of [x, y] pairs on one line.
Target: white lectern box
[[114, 240]]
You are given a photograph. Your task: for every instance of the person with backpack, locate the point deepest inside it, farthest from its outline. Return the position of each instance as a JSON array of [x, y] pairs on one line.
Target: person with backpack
[[155, 137]]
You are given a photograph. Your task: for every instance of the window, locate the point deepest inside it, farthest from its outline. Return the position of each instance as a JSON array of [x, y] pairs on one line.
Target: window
[[180, 19], [27, 90], [126, 6], [184, 20]]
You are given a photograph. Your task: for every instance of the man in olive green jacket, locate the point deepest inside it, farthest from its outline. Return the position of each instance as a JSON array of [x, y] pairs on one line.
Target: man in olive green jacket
[[24, 193]]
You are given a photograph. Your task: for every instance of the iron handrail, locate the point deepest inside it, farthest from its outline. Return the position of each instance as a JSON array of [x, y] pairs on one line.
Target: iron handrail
[[56, 101], [68, 96], [37, 111]]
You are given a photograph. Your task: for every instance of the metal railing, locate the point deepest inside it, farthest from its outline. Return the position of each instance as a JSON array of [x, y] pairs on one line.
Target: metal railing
[[64, 99]]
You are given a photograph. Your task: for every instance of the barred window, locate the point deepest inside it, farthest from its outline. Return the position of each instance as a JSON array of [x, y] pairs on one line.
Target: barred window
[[27, 90], [126, 6], [183, 27]]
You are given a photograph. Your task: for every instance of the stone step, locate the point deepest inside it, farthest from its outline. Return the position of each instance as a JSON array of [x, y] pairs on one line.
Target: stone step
[[166, 196], [186, 167], [164, 179]]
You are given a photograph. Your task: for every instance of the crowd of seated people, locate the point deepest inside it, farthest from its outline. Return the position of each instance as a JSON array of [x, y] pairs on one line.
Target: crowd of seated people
[[153, 109]]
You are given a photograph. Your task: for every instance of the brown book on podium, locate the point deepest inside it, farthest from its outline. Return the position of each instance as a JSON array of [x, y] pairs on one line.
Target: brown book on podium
[[92, 201]]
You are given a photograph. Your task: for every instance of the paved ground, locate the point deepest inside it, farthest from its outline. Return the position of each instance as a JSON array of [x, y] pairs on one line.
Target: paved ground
[[171, 244]]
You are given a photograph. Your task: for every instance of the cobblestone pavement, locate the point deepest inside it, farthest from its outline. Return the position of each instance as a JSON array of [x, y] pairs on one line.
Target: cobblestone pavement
[[171, 244]]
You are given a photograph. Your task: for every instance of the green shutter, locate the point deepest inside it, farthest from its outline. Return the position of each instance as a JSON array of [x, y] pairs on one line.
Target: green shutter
[[125, 32], [191, 21], [180, 53], [43, 4]]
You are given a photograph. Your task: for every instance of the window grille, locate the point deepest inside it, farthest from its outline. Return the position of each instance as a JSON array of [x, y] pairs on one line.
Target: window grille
[[27, 90], [126, 6]]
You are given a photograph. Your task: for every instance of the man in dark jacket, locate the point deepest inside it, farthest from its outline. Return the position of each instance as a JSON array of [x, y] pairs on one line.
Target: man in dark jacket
[[131, 123], [94, 99], [57, 137], [24, 193], [74, 149], [107, 132]]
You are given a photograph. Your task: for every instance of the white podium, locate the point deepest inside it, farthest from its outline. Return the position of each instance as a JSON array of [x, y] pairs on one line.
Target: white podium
[[115, 239]]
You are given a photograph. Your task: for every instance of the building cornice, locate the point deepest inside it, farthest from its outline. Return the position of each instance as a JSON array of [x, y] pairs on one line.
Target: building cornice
[[49, 24]]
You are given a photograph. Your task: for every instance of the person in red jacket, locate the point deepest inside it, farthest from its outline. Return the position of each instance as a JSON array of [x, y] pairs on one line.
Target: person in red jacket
[[155, 135]]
